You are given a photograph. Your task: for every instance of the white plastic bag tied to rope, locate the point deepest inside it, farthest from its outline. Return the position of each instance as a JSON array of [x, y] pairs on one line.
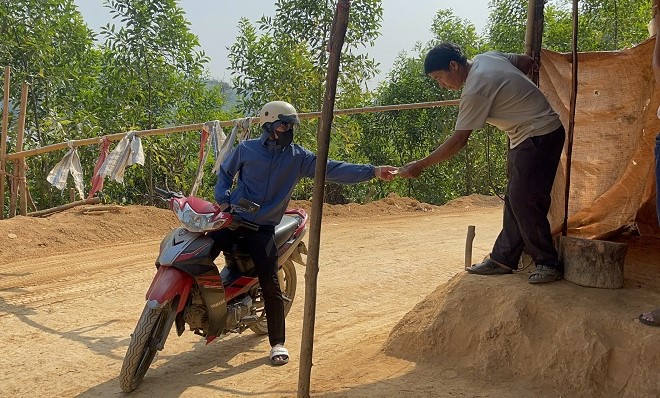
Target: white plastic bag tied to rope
[[70, 163], [128, 152]]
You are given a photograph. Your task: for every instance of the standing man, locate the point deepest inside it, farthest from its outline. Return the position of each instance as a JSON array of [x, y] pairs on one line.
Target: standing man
[[496, 90]]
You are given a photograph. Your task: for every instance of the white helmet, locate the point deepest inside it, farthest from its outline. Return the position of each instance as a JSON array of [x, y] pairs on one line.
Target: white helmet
[[278, 110]]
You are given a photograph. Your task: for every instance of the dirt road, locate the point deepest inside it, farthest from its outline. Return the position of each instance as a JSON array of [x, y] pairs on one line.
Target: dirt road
[[73, 286]]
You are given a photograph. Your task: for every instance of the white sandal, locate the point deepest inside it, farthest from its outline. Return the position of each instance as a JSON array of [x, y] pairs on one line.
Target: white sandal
[[279, 355]]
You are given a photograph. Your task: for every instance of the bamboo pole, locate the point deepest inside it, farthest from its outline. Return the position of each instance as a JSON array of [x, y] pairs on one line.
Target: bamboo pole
[[199, 126], [40, 213], [571, 116], [3, 141], [22, 183], [337, 35]]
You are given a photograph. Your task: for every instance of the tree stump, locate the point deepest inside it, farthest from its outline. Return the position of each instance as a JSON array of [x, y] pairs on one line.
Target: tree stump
[[593, 263]]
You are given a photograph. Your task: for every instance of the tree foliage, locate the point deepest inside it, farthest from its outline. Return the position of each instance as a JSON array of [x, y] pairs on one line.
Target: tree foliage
[[412, 134], [146, 70], [147, 73]]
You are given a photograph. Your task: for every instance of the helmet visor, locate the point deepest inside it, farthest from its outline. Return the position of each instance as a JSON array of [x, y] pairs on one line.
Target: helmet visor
[[290, 119]]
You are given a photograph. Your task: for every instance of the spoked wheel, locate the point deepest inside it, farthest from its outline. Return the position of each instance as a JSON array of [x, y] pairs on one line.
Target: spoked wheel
[[288, 280], [148, 338]]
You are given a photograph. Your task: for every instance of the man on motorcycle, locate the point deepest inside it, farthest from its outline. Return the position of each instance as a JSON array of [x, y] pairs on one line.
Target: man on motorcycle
[[268, 168]]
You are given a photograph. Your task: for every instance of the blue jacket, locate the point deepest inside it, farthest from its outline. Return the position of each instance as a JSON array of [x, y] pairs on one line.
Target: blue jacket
[[268, 173]]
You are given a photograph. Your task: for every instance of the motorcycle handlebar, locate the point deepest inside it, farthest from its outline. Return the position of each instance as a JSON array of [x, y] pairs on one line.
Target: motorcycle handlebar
[[165, 194], [239, 222]]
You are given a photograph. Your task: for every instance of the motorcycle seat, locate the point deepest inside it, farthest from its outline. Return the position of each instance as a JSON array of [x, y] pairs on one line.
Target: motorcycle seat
[[284, 229]]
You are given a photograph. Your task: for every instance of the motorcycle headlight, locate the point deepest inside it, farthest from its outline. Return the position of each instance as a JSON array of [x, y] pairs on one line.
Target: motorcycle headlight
[[196, 222]]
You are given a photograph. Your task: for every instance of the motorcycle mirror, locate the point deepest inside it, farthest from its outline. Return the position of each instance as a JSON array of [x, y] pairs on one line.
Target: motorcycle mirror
[[247, 206]]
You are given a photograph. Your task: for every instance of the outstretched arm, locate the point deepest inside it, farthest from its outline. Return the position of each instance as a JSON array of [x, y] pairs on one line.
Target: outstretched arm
[[448, 149]]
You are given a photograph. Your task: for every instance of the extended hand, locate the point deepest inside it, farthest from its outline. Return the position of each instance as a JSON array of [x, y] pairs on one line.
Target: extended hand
[[385, 173], [411, 170]]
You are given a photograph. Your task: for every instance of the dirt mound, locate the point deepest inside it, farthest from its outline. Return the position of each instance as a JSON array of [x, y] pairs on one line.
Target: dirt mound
[[392, 204], [395, 204], [77, 228], [572, 340], [475, 201]]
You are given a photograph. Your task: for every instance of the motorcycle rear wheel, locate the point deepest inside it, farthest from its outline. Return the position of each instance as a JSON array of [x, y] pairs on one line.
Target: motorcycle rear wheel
[[148, 338], [288, 281]]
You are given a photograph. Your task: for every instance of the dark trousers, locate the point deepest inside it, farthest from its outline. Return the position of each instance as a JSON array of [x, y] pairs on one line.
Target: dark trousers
[[261, 247], [531, 169]]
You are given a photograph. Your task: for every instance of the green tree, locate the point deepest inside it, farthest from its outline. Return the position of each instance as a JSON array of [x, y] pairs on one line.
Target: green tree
[[403, 136], [602, 24], [152, 76], [47, 45]]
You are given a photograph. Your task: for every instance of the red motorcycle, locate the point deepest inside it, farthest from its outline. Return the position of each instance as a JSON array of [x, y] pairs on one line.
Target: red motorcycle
[[189, 289]]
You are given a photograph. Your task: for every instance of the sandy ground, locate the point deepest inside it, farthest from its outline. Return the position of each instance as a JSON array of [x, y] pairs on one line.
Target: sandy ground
[[72, 287]]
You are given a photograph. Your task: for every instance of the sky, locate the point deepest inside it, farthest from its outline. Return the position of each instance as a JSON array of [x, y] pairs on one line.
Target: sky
[[215, 22]]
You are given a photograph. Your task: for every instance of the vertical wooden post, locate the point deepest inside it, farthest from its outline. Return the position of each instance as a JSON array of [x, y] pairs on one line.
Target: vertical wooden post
[[335, 44], [468, 246], [534, 34], [3, 141], [22, 184], [571, 116], [72, 195]]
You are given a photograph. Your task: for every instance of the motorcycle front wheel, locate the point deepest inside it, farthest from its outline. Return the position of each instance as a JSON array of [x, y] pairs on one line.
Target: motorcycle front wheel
[[288, 281], [148, 338]]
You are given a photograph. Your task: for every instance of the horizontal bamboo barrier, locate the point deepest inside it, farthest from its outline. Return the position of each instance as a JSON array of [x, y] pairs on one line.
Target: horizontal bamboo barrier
[[199, 126]]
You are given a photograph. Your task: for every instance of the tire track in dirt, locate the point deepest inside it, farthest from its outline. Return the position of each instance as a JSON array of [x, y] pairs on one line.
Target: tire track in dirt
[[372, 271], [38, 282]]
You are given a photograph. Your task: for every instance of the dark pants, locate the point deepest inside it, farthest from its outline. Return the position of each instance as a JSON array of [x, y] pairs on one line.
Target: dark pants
[[261, 247], [531, 169]]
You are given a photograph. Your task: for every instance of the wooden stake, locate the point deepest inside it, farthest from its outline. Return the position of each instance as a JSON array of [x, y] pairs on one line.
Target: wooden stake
[[3, 141], [468, 246], [22, 184], [13, 190], [337, 35]]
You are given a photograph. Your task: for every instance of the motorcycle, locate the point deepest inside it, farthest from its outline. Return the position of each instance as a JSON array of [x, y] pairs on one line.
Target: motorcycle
[[189, 289]]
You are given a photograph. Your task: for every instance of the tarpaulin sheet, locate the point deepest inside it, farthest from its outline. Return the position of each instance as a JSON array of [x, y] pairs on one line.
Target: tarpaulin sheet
[[612, 183]]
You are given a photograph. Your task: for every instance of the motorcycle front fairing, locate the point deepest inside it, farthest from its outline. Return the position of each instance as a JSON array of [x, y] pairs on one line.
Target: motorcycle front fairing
[[184, 259]]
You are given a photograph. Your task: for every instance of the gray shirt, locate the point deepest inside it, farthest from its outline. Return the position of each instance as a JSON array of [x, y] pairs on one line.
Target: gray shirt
[[498, 93]]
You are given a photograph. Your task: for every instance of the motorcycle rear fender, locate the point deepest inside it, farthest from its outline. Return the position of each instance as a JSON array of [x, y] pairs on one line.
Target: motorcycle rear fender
[[167, 284], [294, 250]]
